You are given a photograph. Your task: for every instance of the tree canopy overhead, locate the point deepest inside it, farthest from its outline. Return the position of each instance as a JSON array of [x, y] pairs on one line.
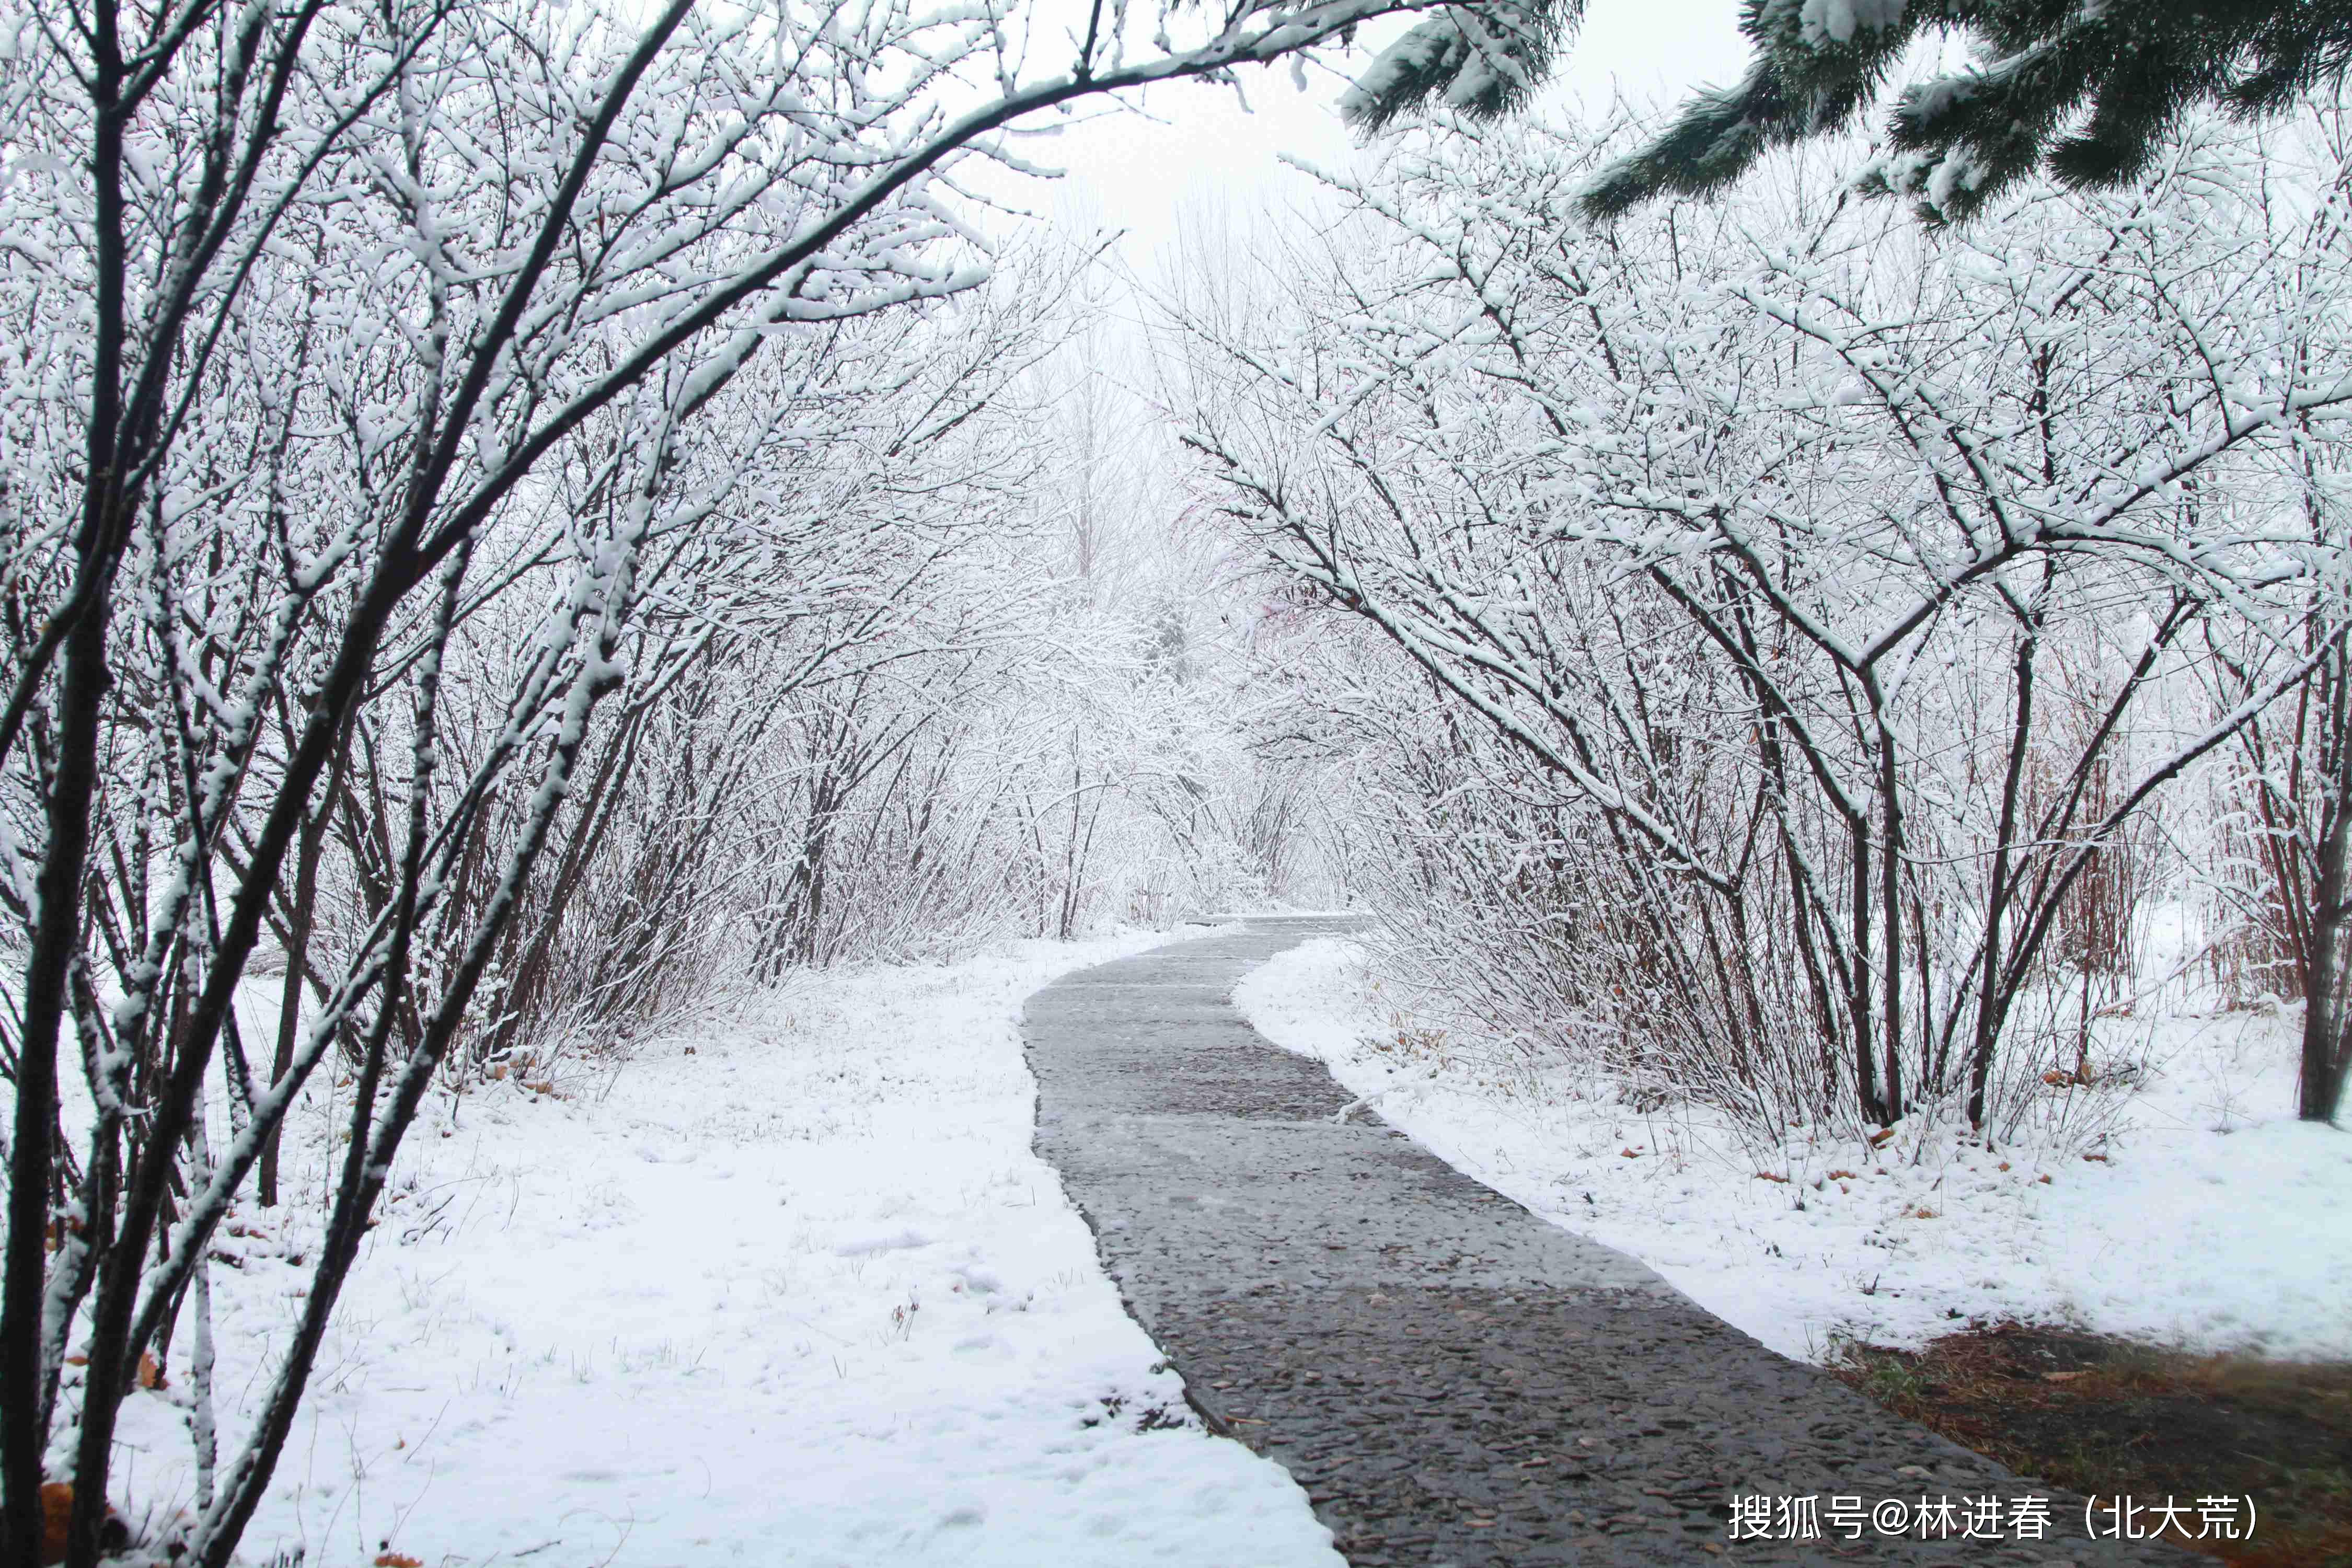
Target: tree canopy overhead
[[2083, 88]]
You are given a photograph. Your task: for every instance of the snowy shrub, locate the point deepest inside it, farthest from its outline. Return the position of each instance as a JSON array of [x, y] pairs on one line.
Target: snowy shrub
[[1793, 623]]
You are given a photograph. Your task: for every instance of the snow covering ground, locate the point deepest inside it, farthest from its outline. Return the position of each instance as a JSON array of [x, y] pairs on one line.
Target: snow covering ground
[[794, 1291], [791, 1291], [2207, 1214]]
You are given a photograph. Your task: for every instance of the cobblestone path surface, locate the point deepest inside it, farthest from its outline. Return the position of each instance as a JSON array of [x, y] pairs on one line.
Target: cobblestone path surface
[[1453, 1380]]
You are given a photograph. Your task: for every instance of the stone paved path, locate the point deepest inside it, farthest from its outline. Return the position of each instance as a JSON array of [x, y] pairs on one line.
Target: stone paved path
[[1454, 1380]]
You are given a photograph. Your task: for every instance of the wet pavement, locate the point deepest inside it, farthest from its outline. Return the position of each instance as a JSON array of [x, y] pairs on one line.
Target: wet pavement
[[1452, 1379]]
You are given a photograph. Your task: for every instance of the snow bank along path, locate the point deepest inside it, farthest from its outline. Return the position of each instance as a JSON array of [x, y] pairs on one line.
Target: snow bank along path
[[791, 1291], [1454, 1380], [2207, 1215]]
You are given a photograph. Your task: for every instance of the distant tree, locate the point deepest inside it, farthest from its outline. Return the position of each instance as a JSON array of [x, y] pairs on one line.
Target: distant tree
[[2087, 91]]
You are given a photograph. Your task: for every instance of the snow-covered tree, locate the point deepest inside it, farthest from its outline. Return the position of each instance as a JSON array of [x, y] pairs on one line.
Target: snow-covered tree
[[1809, 595], [377, 375]]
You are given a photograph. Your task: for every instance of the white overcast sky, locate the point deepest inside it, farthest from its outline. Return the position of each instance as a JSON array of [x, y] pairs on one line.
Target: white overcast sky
[[1200, 152]]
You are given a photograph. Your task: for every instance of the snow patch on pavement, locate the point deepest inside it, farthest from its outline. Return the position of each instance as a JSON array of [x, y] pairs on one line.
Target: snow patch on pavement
[[2209, 1217]]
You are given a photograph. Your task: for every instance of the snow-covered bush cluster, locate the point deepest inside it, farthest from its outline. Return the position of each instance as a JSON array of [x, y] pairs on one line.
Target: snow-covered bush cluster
[[509, 508], [1795, 655]]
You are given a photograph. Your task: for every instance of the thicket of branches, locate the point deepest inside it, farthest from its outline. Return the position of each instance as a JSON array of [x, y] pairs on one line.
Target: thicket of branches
[[500, 503], [1795, 625], [511, 517]]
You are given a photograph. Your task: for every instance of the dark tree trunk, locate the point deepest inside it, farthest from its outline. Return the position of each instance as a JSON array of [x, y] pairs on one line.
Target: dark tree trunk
[[2319, 1090]]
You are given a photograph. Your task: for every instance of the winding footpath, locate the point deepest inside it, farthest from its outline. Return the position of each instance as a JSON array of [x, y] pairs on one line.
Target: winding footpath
[[1453, 1380]]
